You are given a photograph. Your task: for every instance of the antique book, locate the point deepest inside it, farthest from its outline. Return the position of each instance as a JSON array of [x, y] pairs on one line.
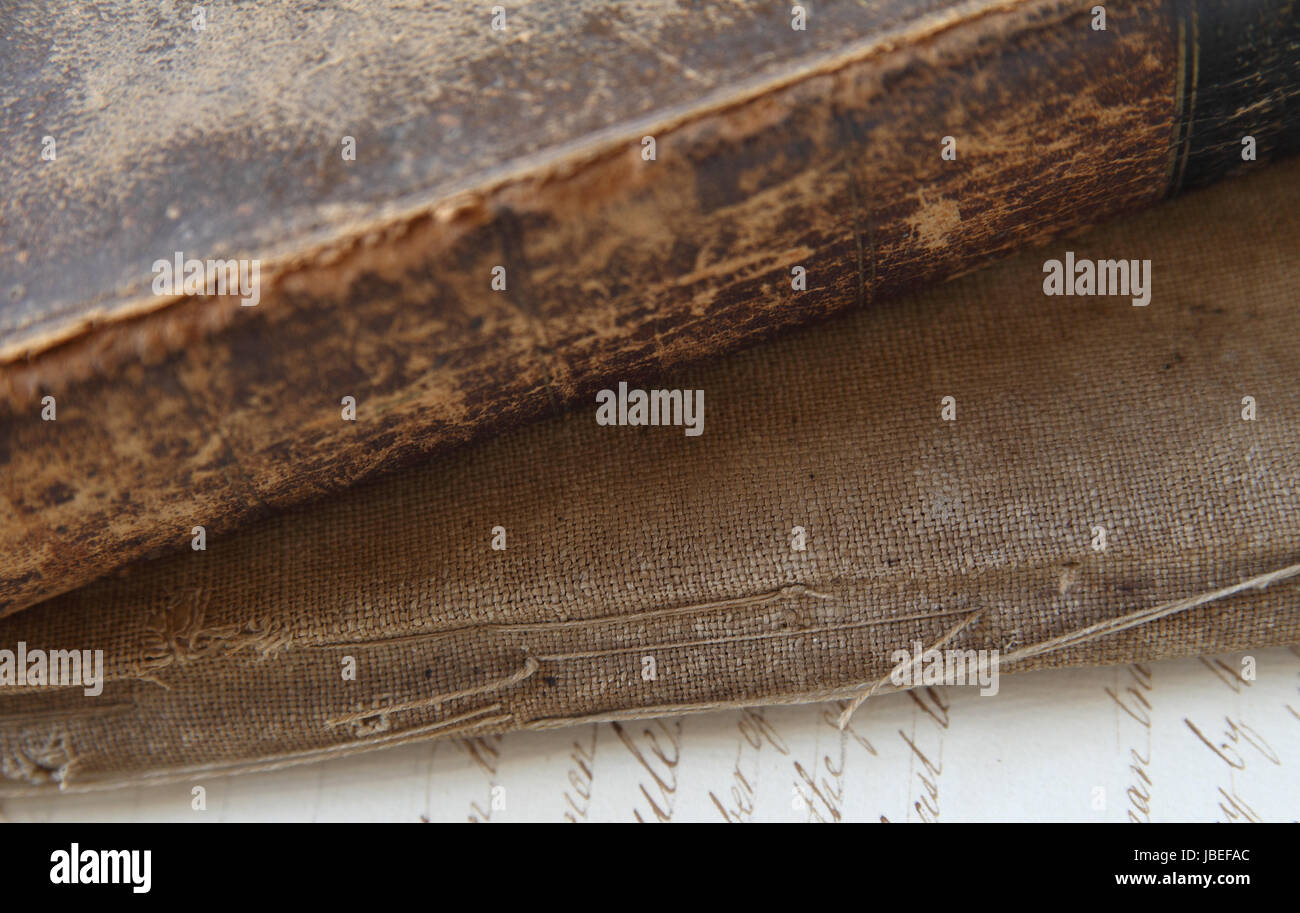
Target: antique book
[[250, 259], [985, 468]]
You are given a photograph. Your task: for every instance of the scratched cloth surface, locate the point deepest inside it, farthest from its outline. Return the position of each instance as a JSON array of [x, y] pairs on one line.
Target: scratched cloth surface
[[622, 543]]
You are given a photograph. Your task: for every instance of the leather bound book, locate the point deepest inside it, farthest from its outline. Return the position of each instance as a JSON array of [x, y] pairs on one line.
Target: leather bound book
[[249, 259]]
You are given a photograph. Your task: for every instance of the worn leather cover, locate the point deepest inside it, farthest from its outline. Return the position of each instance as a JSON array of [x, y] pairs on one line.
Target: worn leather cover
[[624, 543], [523, 149]]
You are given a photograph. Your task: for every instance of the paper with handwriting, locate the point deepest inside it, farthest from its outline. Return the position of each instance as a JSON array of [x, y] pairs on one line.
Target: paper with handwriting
[[1209, 739]]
